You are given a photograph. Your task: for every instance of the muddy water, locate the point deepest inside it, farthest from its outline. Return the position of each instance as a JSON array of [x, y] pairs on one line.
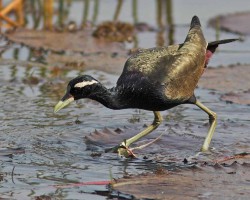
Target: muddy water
[[40, 150]]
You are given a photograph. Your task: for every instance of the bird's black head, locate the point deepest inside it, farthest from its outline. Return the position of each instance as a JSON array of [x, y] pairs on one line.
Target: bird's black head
[[78, 88], [81, 87]]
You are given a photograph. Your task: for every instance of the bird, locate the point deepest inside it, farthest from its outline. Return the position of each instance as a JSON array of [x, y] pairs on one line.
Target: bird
[[154, 79]]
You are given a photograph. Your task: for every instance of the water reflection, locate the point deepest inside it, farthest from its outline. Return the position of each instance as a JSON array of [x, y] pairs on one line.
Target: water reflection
[[37, 12], [165, 22], [6, 11]]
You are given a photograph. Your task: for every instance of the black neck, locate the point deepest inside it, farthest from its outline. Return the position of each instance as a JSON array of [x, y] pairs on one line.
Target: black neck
[[107, 97]]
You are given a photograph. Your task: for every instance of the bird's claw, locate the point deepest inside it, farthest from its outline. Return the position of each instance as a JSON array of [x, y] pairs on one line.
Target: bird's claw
[[126, 152], [122, 150]]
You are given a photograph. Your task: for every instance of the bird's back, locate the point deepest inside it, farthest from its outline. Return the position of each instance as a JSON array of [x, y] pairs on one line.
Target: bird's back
[[177, 68]]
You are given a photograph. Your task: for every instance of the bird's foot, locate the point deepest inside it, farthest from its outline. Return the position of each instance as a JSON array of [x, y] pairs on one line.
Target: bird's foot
[[125, 151], [122, 150]]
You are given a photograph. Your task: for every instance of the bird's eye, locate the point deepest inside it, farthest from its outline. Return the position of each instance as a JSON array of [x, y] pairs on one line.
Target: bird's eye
[[75, 89]]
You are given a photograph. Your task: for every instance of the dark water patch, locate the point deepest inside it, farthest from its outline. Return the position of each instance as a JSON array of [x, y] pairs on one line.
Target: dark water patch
[[10, 151]]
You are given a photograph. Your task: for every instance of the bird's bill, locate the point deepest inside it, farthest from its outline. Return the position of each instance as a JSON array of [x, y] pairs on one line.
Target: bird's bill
[[66, 100]]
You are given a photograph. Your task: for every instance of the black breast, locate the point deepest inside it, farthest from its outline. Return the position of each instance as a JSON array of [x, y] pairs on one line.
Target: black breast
[[136, 90]]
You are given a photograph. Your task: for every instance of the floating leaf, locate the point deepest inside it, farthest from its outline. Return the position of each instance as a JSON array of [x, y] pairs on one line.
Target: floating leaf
[[168, 145], [237, 97], [226, 79], [186, 183], [237, 22], [80, 41]]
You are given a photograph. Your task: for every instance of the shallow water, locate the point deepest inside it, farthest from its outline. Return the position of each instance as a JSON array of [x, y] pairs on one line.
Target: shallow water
[[52, 148]]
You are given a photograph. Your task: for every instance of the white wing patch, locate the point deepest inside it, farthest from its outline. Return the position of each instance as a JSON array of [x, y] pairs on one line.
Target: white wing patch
[[85, 83]]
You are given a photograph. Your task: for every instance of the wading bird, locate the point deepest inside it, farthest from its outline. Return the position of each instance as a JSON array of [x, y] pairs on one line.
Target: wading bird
[[154, 79]]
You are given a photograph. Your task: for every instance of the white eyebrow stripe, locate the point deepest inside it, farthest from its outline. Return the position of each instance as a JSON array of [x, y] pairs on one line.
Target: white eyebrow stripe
[[85, 83]]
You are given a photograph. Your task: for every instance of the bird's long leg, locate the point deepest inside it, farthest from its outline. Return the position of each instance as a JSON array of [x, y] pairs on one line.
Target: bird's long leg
[[126, 143], [212, 121], [157, 121]]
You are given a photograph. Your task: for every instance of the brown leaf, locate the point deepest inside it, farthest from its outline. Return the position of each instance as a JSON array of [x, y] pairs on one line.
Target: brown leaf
[[226, 79], [239, 97], [80, 41], [197, 182], [114, 31], [237, 22]]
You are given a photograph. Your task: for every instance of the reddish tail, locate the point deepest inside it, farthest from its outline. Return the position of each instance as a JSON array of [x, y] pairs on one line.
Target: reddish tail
[[212, 46]]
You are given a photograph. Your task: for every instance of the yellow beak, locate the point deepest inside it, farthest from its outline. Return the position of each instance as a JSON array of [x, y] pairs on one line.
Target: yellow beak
[[61, 104]]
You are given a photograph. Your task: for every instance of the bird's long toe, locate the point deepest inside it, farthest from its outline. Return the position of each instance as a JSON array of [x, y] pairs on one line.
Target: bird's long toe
[[122, 150], [126, 152]]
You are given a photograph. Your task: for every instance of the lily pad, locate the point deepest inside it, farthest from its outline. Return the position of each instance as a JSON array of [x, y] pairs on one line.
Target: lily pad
[[239, 97], [111, 63], [226, 79], [237, 23], [231, 82], [167, 147], [185, 183], [80, 41]]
